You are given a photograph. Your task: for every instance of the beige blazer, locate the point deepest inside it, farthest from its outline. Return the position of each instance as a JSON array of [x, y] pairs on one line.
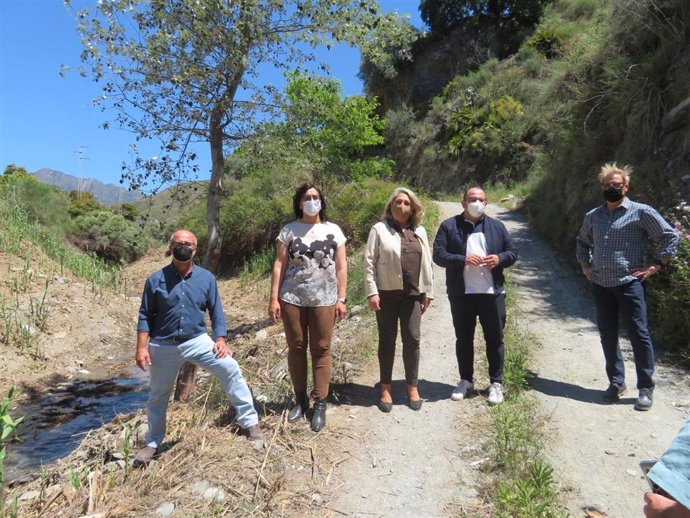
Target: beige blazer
[[382, 269]]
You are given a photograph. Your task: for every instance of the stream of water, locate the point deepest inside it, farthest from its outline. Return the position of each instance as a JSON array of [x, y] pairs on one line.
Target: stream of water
[[56, 424]]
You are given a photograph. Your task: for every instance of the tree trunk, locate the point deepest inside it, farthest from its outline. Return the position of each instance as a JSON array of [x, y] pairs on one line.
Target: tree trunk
[[186, 378]]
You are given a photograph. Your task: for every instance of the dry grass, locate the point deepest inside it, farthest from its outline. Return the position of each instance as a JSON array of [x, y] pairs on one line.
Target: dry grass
[[291, 476]]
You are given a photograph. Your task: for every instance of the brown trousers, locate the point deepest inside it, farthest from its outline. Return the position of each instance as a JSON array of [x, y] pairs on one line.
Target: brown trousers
[[309, 328], [408, 311]]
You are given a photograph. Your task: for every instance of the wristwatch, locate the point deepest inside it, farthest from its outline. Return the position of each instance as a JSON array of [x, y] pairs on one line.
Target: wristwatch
[[342, 299]]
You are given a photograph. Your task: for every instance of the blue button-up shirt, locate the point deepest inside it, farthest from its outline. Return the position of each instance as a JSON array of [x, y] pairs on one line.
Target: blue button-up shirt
[[173, 306], [614, 242]]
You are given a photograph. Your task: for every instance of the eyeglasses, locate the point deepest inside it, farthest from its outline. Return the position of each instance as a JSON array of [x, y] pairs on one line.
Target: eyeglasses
[[311, 197]]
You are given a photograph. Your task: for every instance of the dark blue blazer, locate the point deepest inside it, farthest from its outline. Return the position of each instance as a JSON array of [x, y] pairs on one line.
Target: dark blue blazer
[[450, 247]]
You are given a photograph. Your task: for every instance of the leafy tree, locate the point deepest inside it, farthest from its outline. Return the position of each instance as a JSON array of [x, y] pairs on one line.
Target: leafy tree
[[333, 132], [82, 202], [129, 211], [510, 18], [183, 71], [12, 169]]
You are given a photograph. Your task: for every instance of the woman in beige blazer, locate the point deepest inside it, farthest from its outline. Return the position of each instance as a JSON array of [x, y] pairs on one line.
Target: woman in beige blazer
[[399, 282]]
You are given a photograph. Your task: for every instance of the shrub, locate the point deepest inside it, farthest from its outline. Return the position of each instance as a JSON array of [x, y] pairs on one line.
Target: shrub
[[549, 41], [43, 203], [399, 127], [109, 236]]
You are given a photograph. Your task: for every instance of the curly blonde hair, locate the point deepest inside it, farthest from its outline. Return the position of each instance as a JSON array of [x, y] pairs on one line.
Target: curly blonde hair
[[611, 169], [417, 209]]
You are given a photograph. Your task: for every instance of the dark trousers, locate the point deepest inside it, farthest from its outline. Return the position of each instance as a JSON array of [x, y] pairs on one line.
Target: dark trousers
[[395, 306], [491, 310], [312, 328], [629, 302]]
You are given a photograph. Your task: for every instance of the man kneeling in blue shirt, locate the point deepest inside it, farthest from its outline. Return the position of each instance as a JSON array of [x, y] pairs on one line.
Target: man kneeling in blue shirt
[[172, 331]]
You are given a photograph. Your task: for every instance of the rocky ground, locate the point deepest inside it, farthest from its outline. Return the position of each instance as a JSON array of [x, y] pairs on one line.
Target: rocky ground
[[366, 463]]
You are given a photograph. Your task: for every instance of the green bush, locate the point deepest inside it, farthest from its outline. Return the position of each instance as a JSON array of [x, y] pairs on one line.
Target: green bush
[[400, 127], [43, 203], [549, 41], [109, 236]]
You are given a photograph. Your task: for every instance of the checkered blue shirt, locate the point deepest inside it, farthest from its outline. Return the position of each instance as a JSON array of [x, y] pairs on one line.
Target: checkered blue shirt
[[615, 242]]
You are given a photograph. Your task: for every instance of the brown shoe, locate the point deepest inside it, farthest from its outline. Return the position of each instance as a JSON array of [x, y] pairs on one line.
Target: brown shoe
[[144, 457], [254, 433]]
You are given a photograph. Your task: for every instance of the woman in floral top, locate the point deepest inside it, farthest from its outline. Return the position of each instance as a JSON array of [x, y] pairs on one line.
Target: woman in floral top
[[308, 292]]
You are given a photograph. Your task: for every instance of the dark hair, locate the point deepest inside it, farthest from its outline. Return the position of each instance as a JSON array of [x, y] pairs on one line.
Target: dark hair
[[297, 198]]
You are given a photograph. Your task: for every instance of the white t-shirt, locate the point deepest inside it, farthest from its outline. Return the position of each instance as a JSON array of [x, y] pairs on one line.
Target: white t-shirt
[[309, 278], [478, 279]]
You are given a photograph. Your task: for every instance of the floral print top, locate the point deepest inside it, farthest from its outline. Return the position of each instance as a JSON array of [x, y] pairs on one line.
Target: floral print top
[[309, 279]]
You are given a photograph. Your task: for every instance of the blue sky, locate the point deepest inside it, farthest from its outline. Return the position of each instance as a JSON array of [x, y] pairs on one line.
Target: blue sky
[[45, 120]]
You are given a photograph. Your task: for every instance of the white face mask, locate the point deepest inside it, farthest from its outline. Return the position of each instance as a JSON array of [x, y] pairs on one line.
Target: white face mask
[[311, 207], [476, 208]]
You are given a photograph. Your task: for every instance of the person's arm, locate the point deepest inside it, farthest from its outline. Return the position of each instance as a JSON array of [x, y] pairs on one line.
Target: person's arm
[[508, 255], [141, 355], [279, 266], [660, 506], [219, 327], [371, 256], [426, 251], [146, 312], [672, 471], [583, 243], [441, 255], [662, 233], [341, 277]]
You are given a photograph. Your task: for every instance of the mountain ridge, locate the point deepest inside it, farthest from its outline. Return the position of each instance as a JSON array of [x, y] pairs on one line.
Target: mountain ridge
[[107, 194]]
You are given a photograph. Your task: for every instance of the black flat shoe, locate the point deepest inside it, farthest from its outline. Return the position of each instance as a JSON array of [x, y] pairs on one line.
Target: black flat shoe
[[300, 407], [416, 404], [385, 407], [318, 420]]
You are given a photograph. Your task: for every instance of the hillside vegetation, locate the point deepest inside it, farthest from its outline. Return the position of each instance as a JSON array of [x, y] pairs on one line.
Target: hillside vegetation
[[595, 82]]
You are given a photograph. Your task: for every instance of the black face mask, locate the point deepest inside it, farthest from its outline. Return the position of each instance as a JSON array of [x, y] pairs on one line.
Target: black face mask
[[183, 253], [613, 193]]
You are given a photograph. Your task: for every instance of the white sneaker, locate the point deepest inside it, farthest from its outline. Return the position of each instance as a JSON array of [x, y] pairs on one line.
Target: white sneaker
[[496, 394], [461, 390]]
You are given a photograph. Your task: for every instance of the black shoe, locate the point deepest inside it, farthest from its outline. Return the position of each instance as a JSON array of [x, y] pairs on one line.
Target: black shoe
[[385, 407], [645, 399], [300, 407], [416, 404], [318, 420], [614, 392]]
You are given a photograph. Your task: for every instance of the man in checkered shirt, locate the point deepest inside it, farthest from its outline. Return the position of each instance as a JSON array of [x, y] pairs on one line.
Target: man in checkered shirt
[[611, 248]]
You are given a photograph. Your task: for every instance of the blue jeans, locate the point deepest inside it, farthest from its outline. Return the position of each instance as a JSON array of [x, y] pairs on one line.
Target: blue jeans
[[627, 300], [166, 359]]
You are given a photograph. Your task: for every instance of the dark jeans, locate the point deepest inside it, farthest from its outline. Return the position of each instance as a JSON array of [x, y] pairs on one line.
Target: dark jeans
[[627, 300], [491, 310], [407, 309], [313, 328]]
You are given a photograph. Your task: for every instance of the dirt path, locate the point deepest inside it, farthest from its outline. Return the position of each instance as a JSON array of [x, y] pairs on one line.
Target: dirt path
[[596, 447], [425, 463]]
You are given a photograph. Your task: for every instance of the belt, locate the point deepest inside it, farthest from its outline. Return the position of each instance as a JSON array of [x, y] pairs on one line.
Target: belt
[[180, 338]]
